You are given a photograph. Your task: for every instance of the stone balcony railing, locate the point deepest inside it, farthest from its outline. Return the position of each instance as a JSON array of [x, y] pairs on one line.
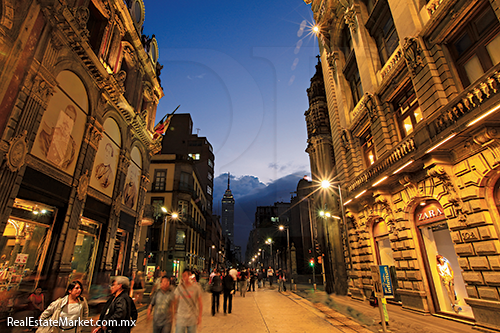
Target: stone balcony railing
[[392, 62], [403, 149]]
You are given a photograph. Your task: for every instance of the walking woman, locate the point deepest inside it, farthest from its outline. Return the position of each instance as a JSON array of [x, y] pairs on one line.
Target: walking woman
[[215, 289], [66, 311]]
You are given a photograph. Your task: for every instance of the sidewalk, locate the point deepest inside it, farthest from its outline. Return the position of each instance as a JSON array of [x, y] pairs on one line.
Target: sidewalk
[[400, 320]]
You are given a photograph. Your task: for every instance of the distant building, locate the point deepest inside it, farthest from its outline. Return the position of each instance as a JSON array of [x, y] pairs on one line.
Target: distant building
[[227, 216], [182, 177]]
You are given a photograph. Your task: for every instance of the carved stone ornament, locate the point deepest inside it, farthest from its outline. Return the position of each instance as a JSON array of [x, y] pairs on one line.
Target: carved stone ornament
[[413, 55], [82, 15], [117, 205], [16, 155], [350, 19], [83, 185], [332, 61]]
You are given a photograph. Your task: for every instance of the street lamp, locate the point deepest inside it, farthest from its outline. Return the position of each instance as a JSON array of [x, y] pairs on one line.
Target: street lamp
[[173, 216], [269, 241], [289, 263], [339, 235]]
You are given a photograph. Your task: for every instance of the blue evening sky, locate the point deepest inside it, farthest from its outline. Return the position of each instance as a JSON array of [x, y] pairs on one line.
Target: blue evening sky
[[241, 69]]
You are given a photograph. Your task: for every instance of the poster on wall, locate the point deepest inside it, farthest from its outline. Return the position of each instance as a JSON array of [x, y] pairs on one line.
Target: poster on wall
[[131, 186], [60, 133], [105, 164]]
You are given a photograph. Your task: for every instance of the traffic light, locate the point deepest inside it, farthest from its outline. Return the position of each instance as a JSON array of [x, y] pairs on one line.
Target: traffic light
[[311, 262], [319, 259]]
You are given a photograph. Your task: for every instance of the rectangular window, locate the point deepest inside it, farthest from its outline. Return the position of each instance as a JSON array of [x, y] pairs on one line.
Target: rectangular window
[[209, 190], [368, 148], [185, 181], [194, 156], [355, 84], [160, 181], [183, 208], [475, 47], [210, 163], [381, 27], [408, 111]]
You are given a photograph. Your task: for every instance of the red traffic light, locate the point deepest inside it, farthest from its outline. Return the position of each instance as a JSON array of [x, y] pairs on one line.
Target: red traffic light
[[311, 262]]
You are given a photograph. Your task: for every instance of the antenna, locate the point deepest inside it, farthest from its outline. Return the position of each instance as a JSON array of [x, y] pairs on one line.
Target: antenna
[[198, 131]]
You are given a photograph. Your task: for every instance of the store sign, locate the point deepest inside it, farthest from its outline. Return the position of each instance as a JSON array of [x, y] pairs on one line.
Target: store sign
[[429, 213], [385, 278]]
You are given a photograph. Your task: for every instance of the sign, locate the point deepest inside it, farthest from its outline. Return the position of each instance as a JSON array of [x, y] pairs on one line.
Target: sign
[[21, 258], [385, 278], [431, 212]]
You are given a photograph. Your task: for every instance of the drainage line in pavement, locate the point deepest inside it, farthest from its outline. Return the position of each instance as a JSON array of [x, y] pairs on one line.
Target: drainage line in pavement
[[263, 319]]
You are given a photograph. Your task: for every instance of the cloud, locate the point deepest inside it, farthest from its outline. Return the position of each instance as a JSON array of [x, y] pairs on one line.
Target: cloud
[[249, 193], [201, 76]]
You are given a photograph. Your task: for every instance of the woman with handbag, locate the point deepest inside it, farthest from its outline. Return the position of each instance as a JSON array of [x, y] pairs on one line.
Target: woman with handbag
[[65, 312]]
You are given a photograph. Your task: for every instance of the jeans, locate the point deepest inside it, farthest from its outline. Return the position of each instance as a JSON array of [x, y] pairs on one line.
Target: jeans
[[162, 329], [228, 302], [215, 302], [185, 329], [243, 287]]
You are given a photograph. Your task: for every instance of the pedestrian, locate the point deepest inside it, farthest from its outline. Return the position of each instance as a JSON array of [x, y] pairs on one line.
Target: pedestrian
[[270, 276], [242, 282], [259, 278], [188, 306], [216, 289], [253, 277], [280, 280], [36, 302], [204, 280], [119, 308], [228, 286], [162, 306], [65, 312], [139, 287]]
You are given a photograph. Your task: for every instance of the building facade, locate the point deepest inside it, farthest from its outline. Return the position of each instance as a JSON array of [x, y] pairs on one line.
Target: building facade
[[412, 94], [182, 234], [78, 89]]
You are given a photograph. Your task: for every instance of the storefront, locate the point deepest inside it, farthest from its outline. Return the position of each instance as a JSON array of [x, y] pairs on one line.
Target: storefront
[[383, 250], [448, 288], [24, 244]]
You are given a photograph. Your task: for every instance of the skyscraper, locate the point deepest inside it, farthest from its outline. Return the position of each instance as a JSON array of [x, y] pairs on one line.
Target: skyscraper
[[228, 215]]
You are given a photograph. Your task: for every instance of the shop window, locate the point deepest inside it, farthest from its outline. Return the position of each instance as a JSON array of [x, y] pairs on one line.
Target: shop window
[[475, 47], [408, 111], [160, 181], [119, 251], [382, 29], [368, 148], [82, 263]]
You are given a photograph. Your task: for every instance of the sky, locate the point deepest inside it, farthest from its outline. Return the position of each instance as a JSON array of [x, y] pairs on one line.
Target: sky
[[241, 69]]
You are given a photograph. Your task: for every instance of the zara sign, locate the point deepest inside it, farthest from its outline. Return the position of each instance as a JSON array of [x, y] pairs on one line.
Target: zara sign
[[431, 212]]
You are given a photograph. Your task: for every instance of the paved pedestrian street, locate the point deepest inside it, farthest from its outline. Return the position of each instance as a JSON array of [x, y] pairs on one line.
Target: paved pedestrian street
[[268, 310]]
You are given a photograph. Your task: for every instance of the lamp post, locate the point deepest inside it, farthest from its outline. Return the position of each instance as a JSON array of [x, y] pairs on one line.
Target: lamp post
[[269, 241], [164, 242], [339, 270], [289, 258]]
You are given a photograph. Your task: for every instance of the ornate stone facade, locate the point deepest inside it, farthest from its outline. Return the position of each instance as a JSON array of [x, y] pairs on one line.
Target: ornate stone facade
[[75, 143], [428, 181]]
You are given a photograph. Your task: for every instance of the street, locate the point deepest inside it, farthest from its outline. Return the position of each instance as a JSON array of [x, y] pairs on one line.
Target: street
[[267, 310]]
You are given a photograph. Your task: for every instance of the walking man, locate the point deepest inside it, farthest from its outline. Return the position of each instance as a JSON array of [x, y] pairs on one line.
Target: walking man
[[162, 306], [228, 284], [188, 306], [215, 289], [270, 273]]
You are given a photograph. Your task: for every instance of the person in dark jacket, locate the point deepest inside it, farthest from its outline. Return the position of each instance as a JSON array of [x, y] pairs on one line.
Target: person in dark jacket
[[228, 285], [119, 307], [215, 289]]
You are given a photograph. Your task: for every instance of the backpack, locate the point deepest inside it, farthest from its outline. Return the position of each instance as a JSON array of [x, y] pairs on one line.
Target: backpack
[[216, 286]]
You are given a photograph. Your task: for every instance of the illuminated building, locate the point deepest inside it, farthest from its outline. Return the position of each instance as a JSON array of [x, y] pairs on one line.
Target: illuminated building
[[412, 94], [79, 90]]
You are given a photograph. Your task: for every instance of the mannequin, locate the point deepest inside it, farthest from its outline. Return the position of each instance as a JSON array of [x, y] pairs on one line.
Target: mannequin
[[448, 279]]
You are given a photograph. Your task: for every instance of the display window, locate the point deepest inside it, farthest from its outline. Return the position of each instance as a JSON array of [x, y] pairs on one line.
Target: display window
[[384, 251], [119, 251], [444, 272], [24, 244], [83, 261]]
